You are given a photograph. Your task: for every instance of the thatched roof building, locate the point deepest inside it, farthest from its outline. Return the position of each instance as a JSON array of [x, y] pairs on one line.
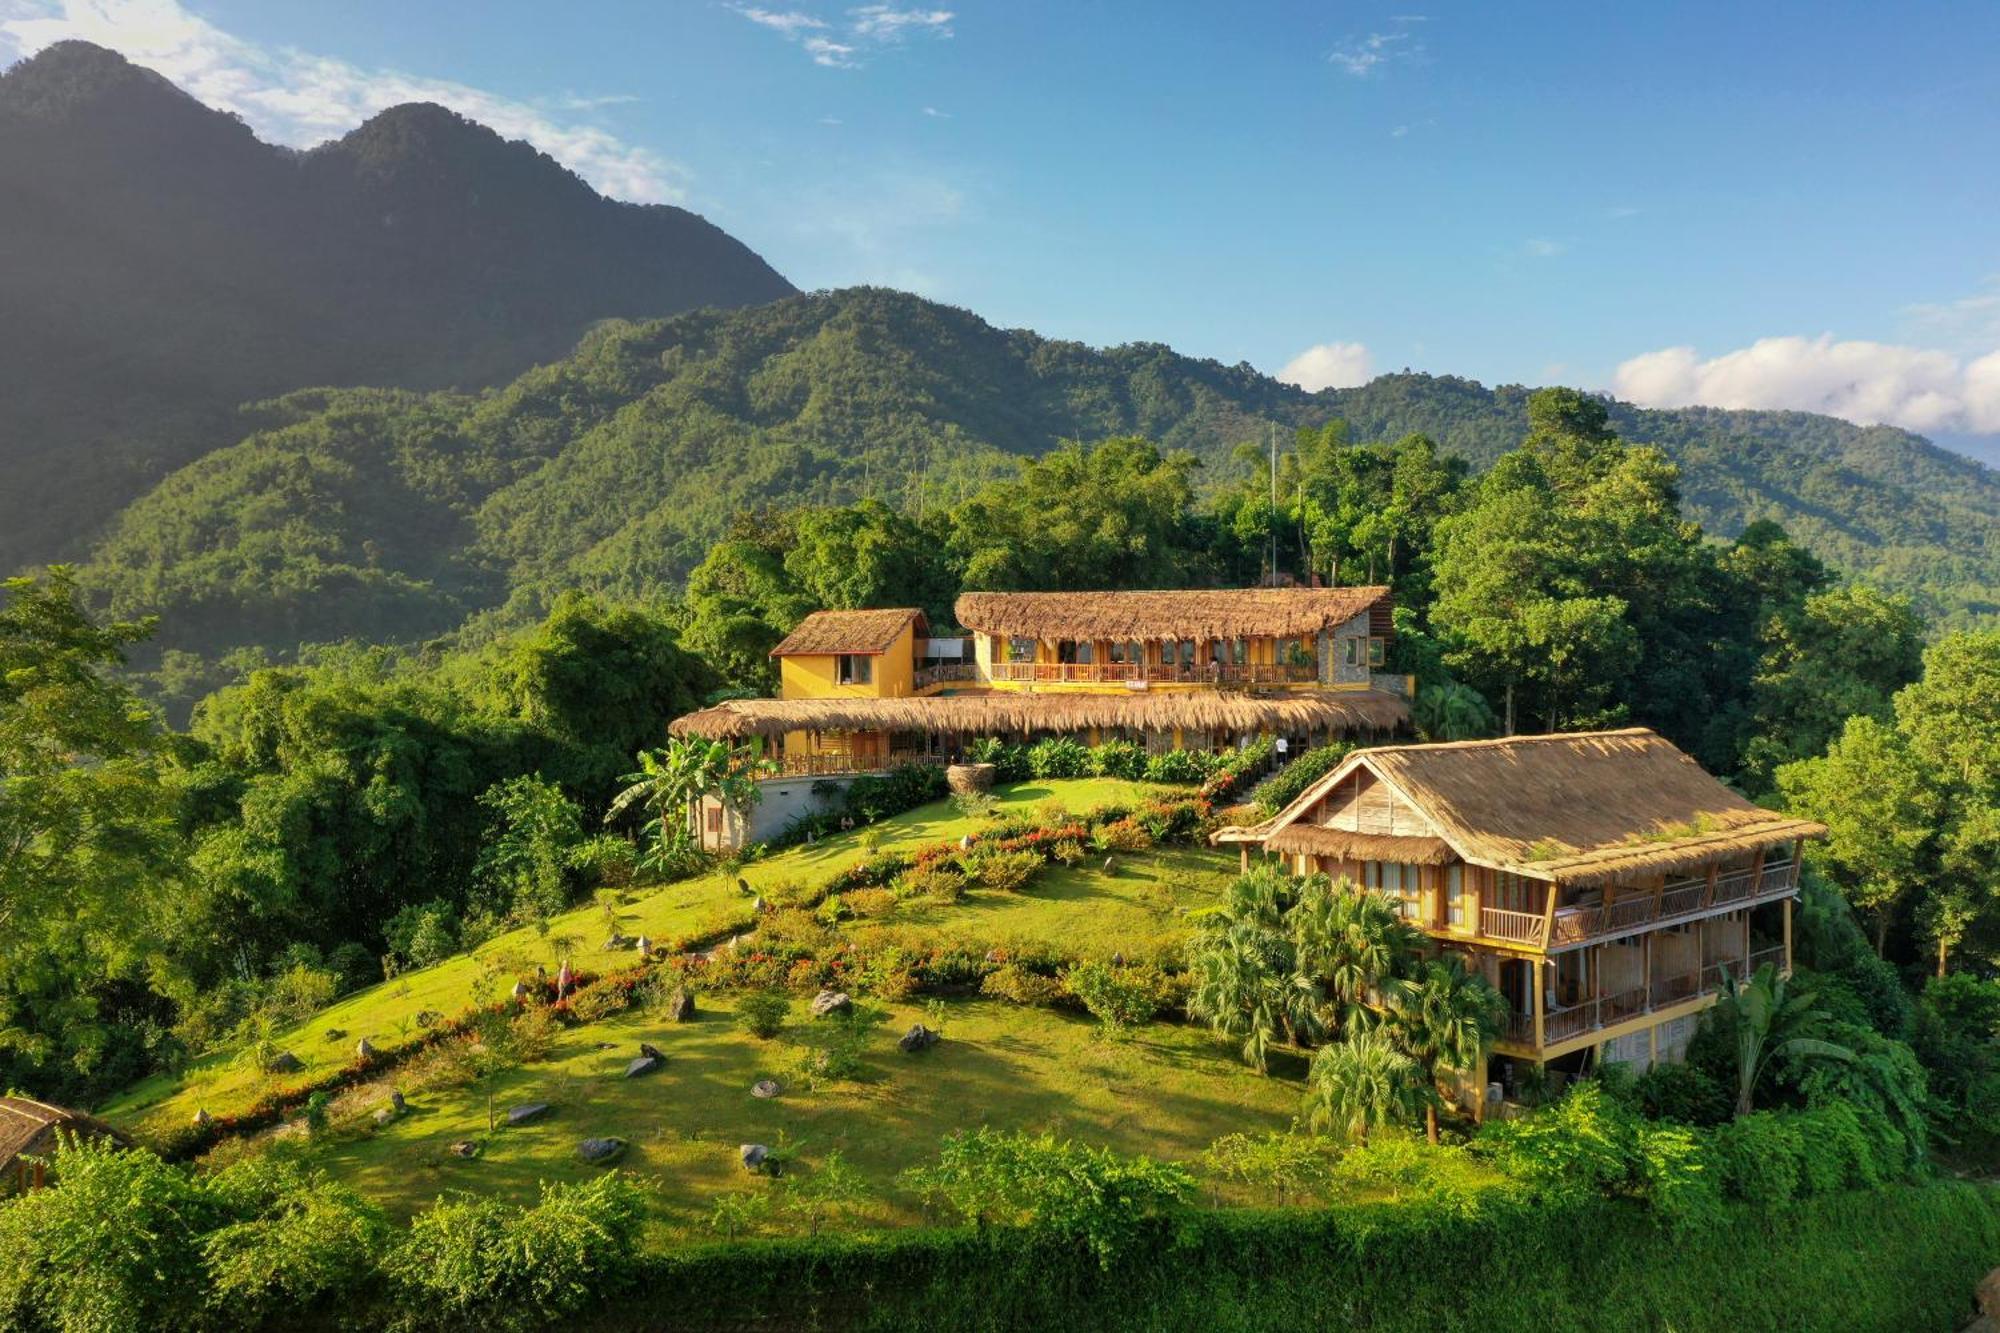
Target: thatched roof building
[[1003, 714], [1583, 808], [850, 632], [1209, 614], [30, 1128]]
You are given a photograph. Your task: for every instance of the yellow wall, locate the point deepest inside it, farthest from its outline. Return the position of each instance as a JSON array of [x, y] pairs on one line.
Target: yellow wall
[[816, 676]]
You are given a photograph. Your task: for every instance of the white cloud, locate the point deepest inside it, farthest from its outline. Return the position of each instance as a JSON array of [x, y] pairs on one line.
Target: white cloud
[[297, 98], [1366, 53], [936, 114], [1868, 382], [1540, 247], [886, 23], [1329, 366], [1969, 323], [844, 45]]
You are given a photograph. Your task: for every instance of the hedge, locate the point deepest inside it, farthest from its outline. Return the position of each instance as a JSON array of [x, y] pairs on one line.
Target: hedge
[[1904, 1257]]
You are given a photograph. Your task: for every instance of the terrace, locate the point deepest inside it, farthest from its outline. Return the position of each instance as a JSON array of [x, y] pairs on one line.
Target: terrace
[[1608, 914]]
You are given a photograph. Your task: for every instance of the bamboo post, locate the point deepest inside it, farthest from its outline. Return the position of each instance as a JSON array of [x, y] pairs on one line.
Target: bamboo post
[[1536, 977], [1549, 914]]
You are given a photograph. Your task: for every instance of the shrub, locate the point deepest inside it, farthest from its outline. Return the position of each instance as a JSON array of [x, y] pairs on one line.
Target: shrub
[[1016, 983], [1680, 1091], [1121, 835], [1184, 766], [763, 1013], [1059, 757], [939, 881], [1761, 1157], [1067, 851], [1010, 762], [303, 1239], [1677, 1175], [866, 903], [975, 804], [1120, 998], [1005, 871], [477, 1262], [1089, 1195], [1119, 759], [1283, 787]]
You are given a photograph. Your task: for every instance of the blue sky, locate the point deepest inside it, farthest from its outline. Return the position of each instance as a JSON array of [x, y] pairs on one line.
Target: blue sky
[[1781, 205]]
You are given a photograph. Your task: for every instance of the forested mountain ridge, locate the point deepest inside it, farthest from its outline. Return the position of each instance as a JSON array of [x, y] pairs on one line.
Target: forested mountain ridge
[[181, 267], [393, 515]]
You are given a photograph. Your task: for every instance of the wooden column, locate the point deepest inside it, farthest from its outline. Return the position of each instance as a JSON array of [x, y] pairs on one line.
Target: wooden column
[[1788, 936], [1549, 913], [1535, 979]]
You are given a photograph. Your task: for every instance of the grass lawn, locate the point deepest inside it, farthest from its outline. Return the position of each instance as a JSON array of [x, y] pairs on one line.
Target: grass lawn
[[386, 1013], [1168, 1091], [1137, 909]]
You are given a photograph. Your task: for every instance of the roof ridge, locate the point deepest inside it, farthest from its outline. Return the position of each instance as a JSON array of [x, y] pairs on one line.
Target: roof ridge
[[1493, 742]]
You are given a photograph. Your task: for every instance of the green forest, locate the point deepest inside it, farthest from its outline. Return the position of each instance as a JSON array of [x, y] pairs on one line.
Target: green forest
[[395, 517], [375, 841]]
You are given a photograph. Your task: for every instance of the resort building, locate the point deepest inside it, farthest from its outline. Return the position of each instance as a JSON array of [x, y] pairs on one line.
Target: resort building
[[1208, 669], [1600, 880]]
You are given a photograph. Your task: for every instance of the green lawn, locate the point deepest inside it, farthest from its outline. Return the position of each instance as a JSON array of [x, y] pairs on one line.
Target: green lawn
[[1168, 1091], [386, 1013], [1137, 909]]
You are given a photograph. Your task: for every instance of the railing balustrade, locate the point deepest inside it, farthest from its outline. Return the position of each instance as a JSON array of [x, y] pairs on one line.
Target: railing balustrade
[[1154, 673], [1498, 923], [841, 765], [946, 671]]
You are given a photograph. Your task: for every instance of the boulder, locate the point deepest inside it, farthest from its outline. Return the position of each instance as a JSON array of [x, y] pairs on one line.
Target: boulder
[[680, 1009], [918, 1038], [617, 942], [1110, 866], [464, 1148], [336, 1034], [1988, 1295], [602, 1150], [766, 1088], [202, 1119], [755, 1155], [831, 1002], [396, 1101], [284, 1062], [743, 887], [520, 991], [527, 1112], [364, 1049], [643, 1066], [647, 1048], [644, 946], [969, 779], [760, 906]]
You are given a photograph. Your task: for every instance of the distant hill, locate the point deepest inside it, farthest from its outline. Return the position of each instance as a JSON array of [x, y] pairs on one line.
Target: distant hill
[[160, 266], [394, 515]]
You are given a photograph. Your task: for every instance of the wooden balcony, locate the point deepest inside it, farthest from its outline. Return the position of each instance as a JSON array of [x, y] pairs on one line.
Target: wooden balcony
[[1681, 900], [1140, 673], [845, 765], [1561, 1023]]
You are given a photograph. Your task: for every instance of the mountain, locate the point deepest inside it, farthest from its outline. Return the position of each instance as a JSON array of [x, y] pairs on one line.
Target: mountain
[[393, 515], [164, 266]]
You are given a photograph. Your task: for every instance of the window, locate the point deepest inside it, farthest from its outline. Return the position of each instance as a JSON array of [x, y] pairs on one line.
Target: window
[[1240, 652], [1020, 650], [1395, 879], [1187, 652], [1378, 652], [1115, 652], [856, 669], [714, 813], [1458, 908], [1351, 650]]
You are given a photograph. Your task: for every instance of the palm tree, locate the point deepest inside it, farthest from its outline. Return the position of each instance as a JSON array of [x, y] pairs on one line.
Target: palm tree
[[1238, 993], [1351, 949], [1452, 712], [1445, 1019], [1362, 1084], [670, 782], [1769, 1019]]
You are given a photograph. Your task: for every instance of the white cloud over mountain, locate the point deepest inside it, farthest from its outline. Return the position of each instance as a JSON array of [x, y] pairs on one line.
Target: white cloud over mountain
[[298, 98], [1333, 365], [1868, 382]]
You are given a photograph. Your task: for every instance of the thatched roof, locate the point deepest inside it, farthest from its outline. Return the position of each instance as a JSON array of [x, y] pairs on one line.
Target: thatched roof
[[1004, 713], [1317, 841], [1582, 808], [871, 631], [1214, 613], [24, 1123]]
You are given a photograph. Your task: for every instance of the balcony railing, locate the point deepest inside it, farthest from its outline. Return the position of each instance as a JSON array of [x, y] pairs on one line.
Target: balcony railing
[[1562, 1022], [1682, 898], [1150, 673], [842, 765], [1498, 923], [946, 671]]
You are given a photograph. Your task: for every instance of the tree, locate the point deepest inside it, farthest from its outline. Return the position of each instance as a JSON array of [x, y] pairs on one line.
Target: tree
[[1351, 948], [868, 554], [1446, 1018], [670, 782], [1241, 989], [1362, 1084], [1765, 1018], [525, 858], [741, 601], [1450, 711], [1109, 515], [91, 858]]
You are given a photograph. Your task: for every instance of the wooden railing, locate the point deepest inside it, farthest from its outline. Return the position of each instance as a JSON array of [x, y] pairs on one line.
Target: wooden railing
[[1682, 898], [1498, 923], [948, 671], [1115, 673], [841, 765]]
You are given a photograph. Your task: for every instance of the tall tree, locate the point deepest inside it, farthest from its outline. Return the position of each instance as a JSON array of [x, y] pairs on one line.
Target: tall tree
[[1446, 1018]]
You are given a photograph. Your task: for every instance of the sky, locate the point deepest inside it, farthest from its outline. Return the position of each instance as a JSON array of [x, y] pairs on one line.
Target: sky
[[1768, 205]]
